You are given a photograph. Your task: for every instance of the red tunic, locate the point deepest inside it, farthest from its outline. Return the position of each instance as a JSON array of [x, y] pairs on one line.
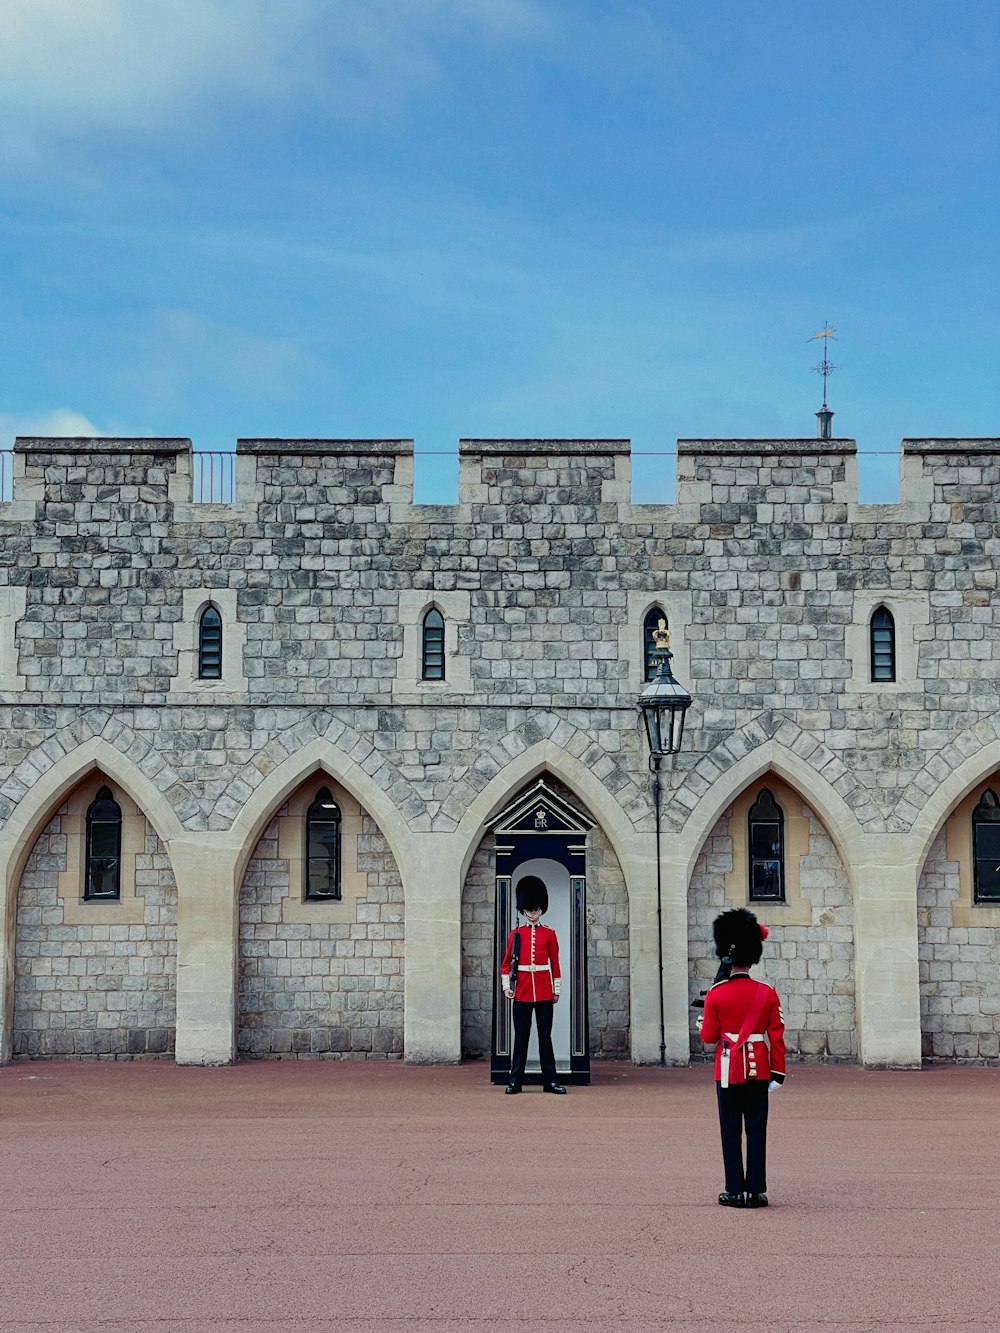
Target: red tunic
[[727, 1005], [538, 975]]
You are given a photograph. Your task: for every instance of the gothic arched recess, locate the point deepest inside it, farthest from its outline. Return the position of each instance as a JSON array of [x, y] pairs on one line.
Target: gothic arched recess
[[321, 938], [90, 961]]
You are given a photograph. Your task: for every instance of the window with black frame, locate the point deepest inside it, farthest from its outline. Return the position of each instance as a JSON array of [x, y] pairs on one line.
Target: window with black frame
[[986, 849], [649, 628], [102, 871], [766, 839], [210, 645], [433, 646], [323, 842], [883, 645]]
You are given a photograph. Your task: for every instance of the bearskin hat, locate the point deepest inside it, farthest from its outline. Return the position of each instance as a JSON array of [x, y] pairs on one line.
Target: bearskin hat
[[532, 893], [739, 936]]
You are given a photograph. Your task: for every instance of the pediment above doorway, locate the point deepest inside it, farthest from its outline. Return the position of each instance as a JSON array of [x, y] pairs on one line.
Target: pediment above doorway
[[539, 812]]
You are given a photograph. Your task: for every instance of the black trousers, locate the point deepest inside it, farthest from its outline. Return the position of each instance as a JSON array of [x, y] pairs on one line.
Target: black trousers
[[542, 1010], [744, 1105]]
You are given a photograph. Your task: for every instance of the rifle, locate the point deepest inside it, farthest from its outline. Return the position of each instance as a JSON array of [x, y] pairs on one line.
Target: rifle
[[723, 974], [515, 957]]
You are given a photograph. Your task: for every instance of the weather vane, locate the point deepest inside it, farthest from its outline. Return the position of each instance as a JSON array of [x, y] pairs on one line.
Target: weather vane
[[826, 366]]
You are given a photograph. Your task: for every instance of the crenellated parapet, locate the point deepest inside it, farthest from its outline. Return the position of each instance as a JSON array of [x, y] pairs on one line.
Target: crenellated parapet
[[367, 480]]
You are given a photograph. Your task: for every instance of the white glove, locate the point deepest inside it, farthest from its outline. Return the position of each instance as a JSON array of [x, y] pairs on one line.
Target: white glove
[[773, 1086], [508, 994]]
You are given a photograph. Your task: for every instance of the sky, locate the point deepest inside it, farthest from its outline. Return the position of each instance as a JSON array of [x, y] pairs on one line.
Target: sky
[[437, 219]]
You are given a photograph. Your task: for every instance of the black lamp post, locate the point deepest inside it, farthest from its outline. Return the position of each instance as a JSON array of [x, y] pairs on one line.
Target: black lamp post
[[663, 704]]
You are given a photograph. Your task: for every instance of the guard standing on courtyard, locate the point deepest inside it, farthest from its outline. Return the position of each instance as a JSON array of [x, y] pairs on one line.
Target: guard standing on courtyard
[[744, 1017], [532, 958]]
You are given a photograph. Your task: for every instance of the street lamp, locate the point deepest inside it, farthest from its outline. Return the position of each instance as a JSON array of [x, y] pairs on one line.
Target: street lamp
[[663, 704]]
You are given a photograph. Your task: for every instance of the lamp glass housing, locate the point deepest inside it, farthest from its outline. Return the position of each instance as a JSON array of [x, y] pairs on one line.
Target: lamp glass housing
[[664, 703]]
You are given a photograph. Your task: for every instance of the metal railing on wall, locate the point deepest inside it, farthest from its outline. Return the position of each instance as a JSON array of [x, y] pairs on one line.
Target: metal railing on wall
[[213, 478], [6, 474]]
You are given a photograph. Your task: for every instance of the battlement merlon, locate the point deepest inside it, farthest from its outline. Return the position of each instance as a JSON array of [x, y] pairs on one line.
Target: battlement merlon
[[544, 472], [955, 477], [747, 476], [325, 472], [73, 468]]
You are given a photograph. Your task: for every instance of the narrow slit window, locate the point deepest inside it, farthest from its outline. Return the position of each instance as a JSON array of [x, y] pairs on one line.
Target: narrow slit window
[[210, 645], [883, 645], [433, 646], [323, 843], [649, 627], [986, 849], [766, 837], [103, 869]]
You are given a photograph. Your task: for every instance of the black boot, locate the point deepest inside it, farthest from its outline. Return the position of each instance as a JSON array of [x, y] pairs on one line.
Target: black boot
[[731, 1200], [554, 1087], [511, 1088]]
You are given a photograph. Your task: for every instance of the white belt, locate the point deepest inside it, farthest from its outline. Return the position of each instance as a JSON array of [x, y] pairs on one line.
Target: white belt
[[535, 967], [733, 1036]]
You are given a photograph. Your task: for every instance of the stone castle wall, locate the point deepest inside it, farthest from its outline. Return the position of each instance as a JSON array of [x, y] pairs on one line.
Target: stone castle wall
[[767, 568]]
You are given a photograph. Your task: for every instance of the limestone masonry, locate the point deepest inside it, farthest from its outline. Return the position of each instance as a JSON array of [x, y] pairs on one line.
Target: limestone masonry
[[770, 575]]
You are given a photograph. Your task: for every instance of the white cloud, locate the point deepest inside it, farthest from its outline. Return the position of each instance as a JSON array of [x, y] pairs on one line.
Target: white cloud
[[60, 422], [69, 68]]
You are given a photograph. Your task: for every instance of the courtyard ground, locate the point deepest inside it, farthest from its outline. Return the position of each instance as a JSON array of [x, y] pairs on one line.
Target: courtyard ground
[[287, 1197]]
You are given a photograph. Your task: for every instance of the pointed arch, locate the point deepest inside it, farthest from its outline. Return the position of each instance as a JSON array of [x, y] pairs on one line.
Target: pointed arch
[[837, 817], [49, 788], [318, 755], [546, 756], [947, 791], [516, 751]]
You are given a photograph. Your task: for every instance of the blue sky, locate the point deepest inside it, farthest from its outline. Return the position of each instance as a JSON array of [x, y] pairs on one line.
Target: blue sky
[[445, 218]]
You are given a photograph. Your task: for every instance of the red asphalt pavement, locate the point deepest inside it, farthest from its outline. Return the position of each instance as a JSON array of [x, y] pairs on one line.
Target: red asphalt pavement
[[355, 1197]]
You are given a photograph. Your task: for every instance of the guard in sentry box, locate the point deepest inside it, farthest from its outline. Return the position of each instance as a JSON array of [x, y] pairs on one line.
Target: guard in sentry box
[[532, 958]]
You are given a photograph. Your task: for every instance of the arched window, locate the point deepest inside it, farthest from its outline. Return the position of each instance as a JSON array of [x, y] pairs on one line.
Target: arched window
[[883, 645], [210, 645], [766, 841], [103, 870], [649, 626], [433, 646], [986, 849], [323, 847]]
